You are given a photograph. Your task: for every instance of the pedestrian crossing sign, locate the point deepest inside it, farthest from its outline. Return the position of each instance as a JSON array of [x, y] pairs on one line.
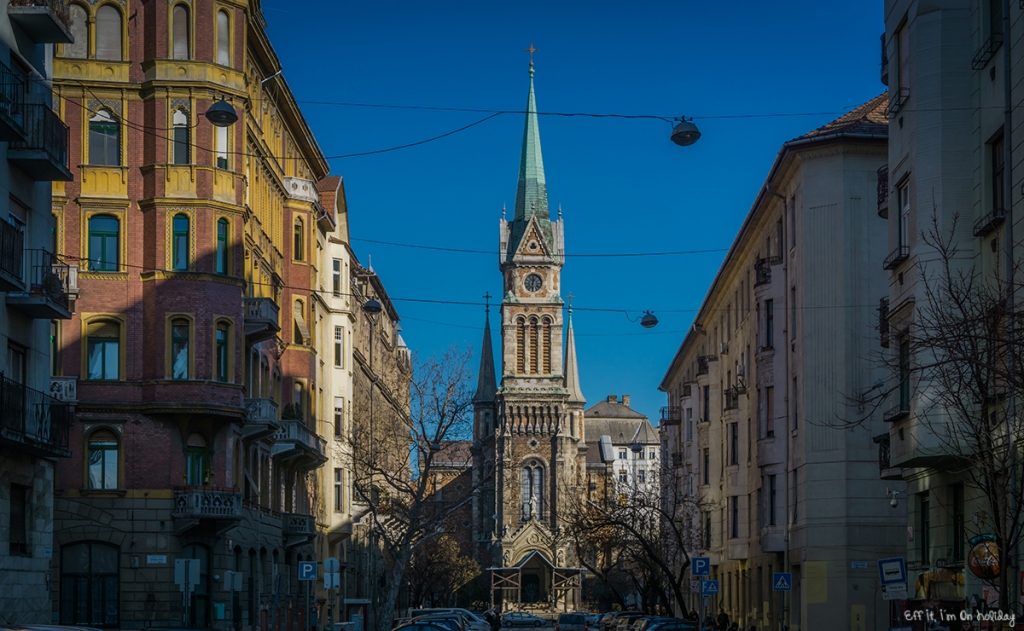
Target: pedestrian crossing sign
[[782, 581], [710, 587]]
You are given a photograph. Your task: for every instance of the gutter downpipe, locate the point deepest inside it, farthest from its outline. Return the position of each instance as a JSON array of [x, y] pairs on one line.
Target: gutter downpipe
[[786, 614]]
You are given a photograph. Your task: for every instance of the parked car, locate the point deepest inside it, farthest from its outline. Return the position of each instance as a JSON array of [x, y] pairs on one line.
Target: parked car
[[470, 620], [450, 621], [522, 619], [626, 620], [672, 624], [421, 626], [608, 619], [572, 622], [644, 623]]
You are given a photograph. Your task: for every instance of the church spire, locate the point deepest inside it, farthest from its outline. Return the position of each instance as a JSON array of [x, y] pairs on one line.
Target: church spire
[[486, 386], [571, 370], [532, 192]]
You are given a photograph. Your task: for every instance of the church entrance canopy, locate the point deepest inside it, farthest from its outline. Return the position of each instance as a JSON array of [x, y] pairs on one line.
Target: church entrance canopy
[[535, 582]]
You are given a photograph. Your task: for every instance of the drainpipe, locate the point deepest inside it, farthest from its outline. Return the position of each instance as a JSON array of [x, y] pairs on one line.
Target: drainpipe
[[786, 350]]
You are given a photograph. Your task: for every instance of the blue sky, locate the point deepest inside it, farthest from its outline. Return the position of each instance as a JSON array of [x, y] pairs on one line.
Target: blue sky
[[622, 185]]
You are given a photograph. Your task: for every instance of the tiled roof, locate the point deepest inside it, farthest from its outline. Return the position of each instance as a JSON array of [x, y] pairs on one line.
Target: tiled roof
[[454, 452], [621, 431], [328, 189], [870, 118], [612, 409]]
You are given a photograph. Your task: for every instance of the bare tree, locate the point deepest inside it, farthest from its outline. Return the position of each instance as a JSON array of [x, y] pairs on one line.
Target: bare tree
[[957, 353], [439, 569], [394, 464]]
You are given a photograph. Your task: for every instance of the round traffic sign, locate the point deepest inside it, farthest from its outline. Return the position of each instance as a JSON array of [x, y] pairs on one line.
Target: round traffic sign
[[332, 565]]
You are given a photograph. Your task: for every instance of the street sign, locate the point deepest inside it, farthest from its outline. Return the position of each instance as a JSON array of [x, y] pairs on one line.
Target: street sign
[[710, 587], [782, 581], [186, 574], [332, 565], [232, 581], [695, 585], [332, 580], [892, 571], [307, 570], [895, 591], [701, 566], [858, 565]]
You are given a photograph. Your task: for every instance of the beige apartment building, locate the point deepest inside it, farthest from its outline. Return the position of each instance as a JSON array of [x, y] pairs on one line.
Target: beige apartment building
[[761, 428], [944, 64]]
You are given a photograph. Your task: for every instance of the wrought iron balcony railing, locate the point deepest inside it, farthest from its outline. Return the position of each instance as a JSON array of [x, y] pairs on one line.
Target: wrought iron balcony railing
[[883, 322], [12, 257], [33, 421], [989, 222], [43, 154], [671, 415], [987, 51], [48, 278], [883, 192], [762, 272], [897, 256], [898, 412], [732, 399]]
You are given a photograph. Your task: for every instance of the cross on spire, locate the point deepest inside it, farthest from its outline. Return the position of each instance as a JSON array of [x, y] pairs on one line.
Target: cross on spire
[[487, 302], [570, 297], [531, 50]]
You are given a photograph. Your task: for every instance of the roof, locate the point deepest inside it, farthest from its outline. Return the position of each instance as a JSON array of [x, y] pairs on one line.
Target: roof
[[328, 189], [532, 191], [871, 118], [456, 452], [486, 385], [571, 370], [612, 409], [621, 431]]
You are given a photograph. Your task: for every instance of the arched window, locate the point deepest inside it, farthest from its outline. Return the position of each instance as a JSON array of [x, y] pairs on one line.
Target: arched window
[[89, 585], [298, 399], [534, 346], [103, 346], [196, 464], [199, 608], [78, 18], [179, 243], [222, 246], [180, 137], [104, 240], [298, 243], [108, 33], [104, 137], [301, 331], [532, 482], [221, 340], [223, 38], [547, 346], [179, 30], [521, 345], [103, 460], [180, 343]]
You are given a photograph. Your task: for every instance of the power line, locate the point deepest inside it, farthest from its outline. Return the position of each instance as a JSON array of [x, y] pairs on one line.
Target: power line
[[493, 252]]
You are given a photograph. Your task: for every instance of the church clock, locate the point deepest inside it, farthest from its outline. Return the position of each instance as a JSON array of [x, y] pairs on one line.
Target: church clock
[[533, 282]]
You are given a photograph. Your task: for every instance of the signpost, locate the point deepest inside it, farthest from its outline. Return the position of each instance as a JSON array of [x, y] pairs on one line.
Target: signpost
[[332, 581], [186, 577], [699, 568], [782, 582], [892, 574], [307, 572]]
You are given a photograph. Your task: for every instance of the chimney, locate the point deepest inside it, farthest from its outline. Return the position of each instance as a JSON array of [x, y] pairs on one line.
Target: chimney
[[613, 398], [625, 400]]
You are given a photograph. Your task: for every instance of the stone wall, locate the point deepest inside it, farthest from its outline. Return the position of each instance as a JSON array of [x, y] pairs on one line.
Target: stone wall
[[24, 579]]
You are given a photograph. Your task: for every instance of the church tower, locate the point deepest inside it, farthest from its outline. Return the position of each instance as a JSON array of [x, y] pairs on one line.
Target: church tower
[[533, 425]]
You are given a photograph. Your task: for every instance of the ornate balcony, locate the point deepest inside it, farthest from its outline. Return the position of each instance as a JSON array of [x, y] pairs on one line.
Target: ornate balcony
[[671, 415], [762, 272], [261, 418], [986, 224], [221, 507], [297, 528], [12, 257], [262, 319], [47, 297], [897, 256], [64, 389], [45, 21], [883, 192], [43, 155], [295, 441], [32, 421], [885, 470], [732, 399], [703, 363]]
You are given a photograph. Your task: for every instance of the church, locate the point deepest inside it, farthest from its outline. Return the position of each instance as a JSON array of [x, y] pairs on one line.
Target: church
[[528, 428]]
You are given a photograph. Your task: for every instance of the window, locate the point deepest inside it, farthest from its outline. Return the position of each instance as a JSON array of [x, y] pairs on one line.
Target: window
[[15, 362], [622, 454], [734, 443], [103, 341], [103, 243], [108, 33], [903, 52], [78, 18], [769, 411], [958, 534], [55, 359], [706, 394], [689, 423], [622, 476], [300, 333], [641, 477], [707, 531], [179, 30], [904, 367], [925, 526], [223, 39], [89, 585], [103, 460], [298, 247], [734, 516], [771, 500], [995, 20], [336, 279], [796, 404], [18, 520], [998, 175], [769, 323], [339, 344], [220, 141], [339, 497], [180, 333], [760, 505], [222, 246], [651, 455], [180, 137], [298, 401], [221, 341], [903, 228], [179, 243], [339, 416], [533, 492], [104, 137], [792, 222], [707, 466], [195, 461]]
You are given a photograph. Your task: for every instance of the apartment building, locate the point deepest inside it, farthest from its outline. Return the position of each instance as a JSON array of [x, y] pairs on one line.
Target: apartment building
[[195, 215], [948, 175], [763, 426], [39, 290], [625, 442]]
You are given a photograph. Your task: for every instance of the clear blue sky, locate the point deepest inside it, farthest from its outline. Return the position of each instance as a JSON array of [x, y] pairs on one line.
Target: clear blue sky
[[622, 185]]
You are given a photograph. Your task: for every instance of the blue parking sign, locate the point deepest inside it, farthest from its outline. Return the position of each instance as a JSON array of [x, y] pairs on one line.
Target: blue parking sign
[[710, 587], [307, 570], [700, 566]]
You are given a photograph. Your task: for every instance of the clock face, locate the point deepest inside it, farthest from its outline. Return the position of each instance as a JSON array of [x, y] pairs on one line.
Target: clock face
[[533, 282]]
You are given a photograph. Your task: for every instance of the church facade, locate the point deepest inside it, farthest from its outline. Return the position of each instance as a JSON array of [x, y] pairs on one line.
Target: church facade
[[528, 428]]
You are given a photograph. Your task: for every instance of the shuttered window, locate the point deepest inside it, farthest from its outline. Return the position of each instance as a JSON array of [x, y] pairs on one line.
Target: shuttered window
[[180, 32], [108, 33], [80, 33], [19, 519], [301, 332], [223, 39]]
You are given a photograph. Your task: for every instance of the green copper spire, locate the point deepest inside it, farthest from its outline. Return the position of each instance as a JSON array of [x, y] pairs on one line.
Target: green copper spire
[[532, 192]]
